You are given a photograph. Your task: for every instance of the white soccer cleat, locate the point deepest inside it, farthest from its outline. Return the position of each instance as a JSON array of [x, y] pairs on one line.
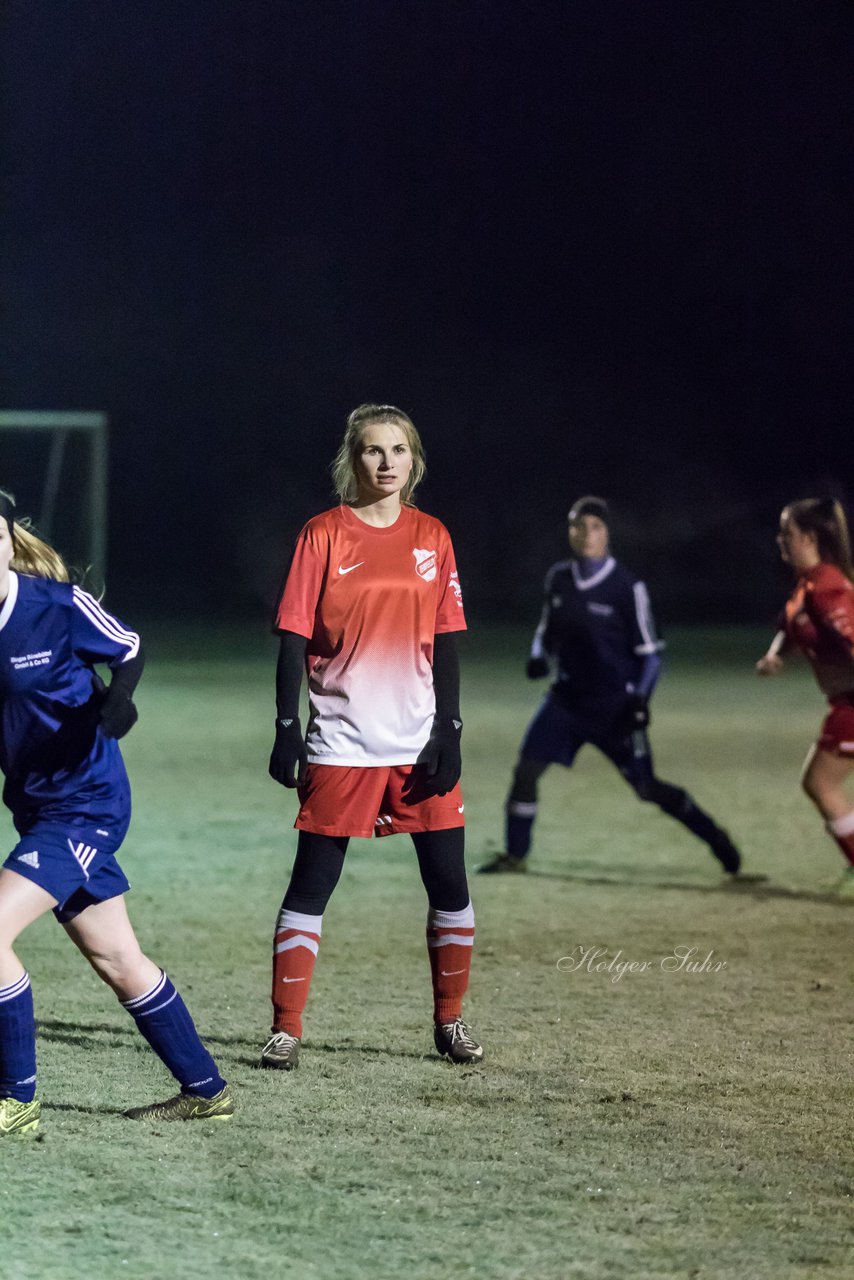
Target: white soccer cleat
[[281, 1052], [455, 1041]]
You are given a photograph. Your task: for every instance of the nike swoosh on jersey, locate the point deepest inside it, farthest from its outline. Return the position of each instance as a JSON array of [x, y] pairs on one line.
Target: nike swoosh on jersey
[[350, 567]]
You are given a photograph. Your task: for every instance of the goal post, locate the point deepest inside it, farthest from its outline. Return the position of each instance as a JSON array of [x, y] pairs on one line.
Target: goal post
[[60, 427]]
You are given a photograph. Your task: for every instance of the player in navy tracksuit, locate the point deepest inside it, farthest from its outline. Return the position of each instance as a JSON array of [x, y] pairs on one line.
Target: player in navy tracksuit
[[597, 627], [68, 792]]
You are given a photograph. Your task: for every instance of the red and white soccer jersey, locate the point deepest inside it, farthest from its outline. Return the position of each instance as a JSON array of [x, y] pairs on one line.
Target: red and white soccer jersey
[[369, 601], [820, 621]]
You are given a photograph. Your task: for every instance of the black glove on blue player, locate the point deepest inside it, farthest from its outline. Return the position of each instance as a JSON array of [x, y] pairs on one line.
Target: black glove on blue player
[[537, 668], [117, 713]]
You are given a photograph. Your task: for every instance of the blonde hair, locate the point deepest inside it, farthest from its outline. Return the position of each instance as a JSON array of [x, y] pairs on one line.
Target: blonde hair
[[343, 468], [31, 554]]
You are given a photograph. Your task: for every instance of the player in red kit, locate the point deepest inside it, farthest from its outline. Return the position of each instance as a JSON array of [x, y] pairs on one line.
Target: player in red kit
[[819, 620], [370, 610]]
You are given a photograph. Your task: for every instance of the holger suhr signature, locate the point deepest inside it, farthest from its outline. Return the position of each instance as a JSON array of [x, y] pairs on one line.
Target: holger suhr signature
[[682, 959]]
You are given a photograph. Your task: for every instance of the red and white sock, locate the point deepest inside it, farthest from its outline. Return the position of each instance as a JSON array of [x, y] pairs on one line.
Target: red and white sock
[[295, 944], [842, 830], [450, 938]]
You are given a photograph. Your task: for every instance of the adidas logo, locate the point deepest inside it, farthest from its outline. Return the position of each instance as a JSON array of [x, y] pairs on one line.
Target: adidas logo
[[84, 853], [30, 859]]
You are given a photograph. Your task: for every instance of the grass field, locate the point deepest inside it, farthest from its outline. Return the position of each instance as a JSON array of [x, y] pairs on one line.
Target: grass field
[[658, 1124]]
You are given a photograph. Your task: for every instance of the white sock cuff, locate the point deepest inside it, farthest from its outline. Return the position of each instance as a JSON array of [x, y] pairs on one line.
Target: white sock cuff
[[522, 808], [451, 919], [16, 988], [843, 826], [296, 920], [131, 1004]]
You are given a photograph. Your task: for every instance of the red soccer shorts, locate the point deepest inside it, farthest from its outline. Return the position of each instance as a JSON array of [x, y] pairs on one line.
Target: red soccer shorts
[[837, 732], [338, 800]]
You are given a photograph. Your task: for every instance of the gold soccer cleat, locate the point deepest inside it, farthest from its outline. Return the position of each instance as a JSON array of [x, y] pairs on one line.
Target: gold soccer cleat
[[18, 1117], [186, 1106]]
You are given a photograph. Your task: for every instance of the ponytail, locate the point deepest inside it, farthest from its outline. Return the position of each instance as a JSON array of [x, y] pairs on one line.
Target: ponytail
[[825, 518], [35, 557], [31, 554]]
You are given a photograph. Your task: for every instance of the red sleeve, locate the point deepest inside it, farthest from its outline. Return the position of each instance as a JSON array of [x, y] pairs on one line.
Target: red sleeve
[[302, 588], [449, 614], [832, 609]]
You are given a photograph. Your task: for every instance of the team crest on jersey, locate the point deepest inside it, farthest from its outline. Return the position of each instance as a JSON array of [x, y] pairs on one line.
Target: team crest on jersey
[[425, 564]]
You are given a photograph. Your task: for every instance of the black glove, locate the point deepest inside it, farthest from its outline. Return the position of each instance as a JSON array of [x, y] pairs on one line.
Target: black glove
[[537, 668], [289, 758], [636, 712], [118, 712], [441, 754]]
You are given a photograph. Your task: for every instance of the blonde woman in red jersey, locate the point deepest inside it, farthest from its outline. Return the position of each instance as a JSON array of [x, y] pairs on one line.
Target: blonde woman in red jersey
[[819, 620], [369, 611]]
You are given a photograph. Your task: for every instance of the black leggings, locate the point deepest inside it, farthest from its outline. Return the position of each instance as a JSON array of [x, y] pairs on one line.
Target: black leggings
[[320, 860]]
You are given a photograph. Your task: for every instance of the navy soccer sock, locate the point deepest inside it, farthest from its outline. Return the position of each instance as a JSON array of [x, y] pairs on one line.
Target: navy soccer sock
[[17, 1041], [678, 804], [520, 822], [165, 1022]]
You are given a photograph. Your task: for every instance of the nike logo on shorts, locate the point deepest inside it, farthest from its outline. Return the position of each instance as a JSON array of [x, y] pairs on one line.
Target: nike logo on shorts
[[350, 567], [460, 808]]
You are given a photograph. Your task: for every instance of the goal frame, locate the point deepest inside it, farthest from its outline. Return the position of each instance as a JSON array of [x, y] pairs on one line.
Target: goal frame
[[94, 427]]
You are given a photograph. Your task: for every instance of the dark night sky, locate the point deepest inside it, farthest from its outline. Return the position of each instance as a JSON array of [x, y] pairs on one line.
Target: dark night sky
[[588, 247]]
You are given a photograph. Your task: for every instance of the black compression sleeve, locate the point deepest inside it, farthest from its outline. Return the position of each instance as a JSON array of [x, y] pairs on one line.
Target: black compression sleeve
[[289, 669], [446, 675], [125, 677]]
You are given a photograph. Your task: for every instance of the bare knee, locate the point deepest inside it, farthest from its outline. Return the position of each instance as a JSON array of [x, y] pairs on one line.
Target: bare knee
[[124, 968], [814, 786], [828, 799]]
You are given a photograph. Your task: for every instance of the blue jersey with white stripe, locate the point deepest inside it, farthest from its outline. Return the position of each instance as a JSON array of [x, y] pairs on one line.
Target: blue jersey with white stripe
[[600, 630], [58, 764]]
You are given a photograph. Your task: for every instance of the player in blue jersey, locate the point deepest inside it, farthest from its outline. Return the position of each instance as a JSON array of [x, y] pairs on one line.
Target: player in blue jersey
[[66, 786], [597, 629]]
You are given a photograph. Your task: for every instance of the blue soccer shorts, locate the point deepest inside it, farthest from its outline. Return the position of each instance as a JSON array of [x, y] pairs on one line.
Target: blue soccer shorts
[[76, 865], [557, 733]]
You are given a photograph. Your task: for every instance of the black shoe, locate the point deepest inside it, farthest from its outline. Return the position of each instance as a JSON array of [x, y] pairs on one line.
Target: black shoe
[[503, 862], [726, 853], [454, 1040]]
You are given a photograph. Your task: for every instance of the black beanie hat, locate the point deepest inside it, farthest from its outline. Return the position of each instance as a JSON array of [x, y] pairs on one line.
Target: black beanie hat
[[590, 506]]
